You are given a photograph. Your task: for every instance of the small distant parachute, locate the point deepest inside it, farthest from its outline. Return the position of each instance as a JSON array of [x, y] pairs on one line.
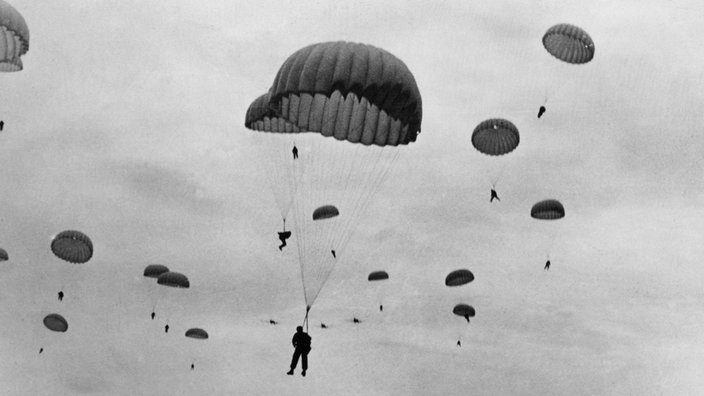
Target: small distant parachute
[[173, 279], [14, 38], [154, 270], [495, 136], [3, 255], [549, 209], [464, 310], [325, 212], [569, 43], [72, 246], [377, 276], [459, 277], [197, 333], [55, 322]]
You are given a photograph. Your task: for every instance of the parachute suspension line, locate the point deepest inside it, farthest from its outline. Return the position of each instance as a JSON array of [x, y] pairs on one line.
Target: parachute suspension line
[[305, 319], [386, 159], [499, 174]]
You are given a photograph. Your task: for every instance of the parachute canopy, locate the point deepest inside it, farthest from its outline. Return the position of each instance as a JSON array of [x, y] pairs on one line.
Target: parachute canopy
[[55, 322], [325, 212], [14, 38], [154, 270], [173, 279], [197, 333], [353, 92], [358, 105], [464, 310], [495, 136], [378, 275], [549, 209], [569, 43], [72, 246], [3, 255], [459, 277]]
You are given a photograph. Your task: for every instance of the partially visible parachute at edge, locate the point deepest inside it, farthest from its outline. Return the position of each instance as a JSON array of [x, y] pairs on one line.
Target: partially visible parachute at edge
[[14, 38], [569, 43], [367, 101], [72, 246], [55, 322], [3, 255]]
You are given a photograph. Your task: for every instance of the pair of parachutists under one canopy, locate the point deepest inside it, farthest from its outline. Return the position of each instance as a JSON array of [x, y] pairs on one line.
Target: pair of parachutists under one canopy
[[329, 130]]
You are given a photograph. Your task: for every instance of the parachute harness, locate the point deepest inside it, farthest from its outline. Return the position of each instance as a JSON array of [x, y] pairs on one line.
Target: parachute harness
[[305, 319]]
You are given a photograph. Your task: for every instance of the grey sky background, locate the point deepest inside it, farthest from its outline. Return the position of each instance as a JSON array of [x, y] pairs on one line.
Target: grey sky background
[[128, 124]]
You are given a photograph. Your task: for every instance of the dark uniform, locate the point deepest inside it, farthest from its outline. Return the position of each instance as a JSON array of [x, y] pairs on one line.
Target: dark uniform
[[300, 341]]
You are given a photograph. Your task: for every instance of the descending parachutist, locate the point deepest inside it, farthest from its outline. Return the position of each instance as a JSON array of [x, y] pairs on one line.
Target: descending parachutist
[[166, 329], [381, 308], [355, 320], [153, 315], [547, 265], [2, 125], [61, 296], [333, 254], [459, 344], [494, 195], [300, 341], [323, 326], [193, 366], [283, 236], [541, 111], [41, 350], [295, 151], [272, 321]]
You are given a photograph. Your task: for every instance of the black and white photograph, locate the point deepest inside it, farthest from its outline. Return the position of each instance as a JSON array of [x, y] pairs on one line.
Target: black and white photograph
[[354, 197]]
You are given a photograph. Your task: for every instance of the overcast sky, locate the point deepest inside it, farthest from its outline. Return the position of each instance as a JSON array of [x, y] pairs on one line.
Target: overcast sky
[[127, 123]]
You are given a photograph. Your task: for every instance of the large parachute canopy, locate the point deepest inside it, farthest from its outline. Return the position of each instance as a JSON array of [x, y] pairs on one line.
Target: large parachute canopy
[[55, 322], [173, 279], [325, 212], [154, 270], [347, 108], [459, 277], [14, 38], [72, 246], [569, 43], [377, 276], [354, 92], [549, 209], [495, 136], [3, 255], [197, 333], [464, 310]]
